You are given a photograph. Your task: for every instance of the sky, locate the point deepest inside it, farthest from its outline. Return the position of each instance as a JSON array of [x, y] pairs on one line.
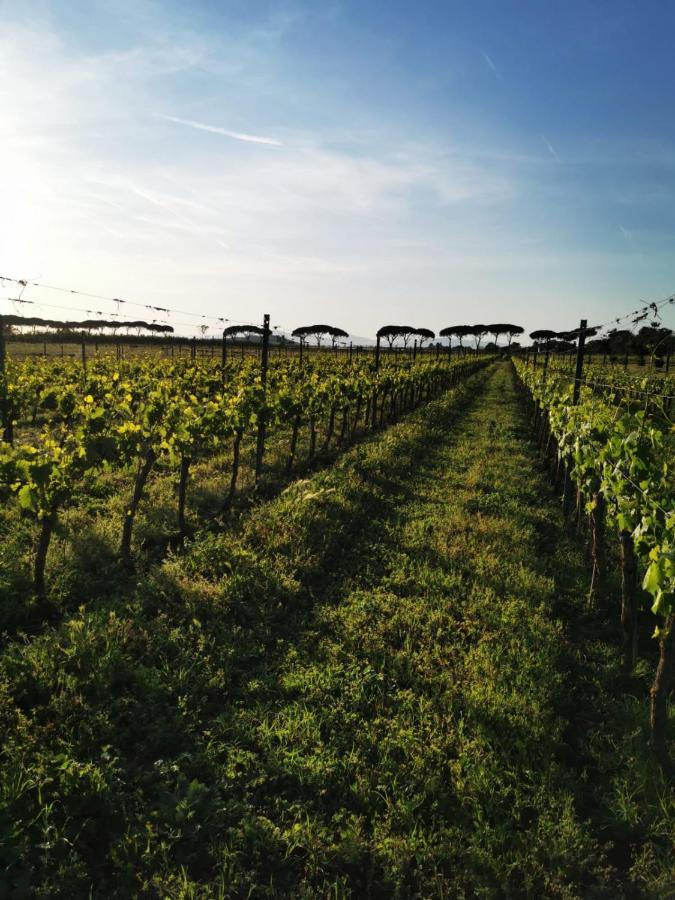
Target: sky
[[358, 163]]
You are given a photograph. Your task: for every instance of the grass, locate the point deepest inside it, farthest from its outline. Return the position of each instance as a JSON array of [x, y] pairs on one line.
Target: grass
[[384, 682]]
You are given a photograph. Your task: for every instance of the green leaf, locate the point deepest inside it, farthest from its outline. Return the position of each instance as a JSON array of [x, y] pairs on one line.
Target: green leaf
[[27, 498]]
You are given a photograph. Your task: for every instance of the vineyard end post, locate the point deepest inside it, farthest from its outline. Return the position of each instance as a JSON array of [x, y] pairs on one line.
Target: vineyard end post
[[377, 354], [223, 358], [580, 360]]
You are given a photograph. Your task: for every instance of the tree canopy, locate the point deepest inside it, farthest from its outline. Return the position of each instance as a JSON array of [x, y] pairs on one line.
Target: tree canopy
[[242, 329], [425, 334], [478, 332], [458, 331], [405, 332], [85, 325], [544, 334], [319, 332], [504, 328]]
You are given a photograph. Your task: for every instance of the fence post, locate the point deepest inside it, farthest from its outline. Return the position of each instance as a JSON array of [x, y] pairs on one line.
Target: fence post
[[223, 355], [546, 356], [84, 358], [580, 360], [377, 354], [350, 355], [535, 354], [260, 449], [194, 348]]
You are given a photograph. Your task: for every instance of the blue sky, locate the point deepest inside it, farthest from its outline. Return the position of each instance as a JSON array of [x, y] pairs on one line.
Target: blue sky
[[352, 162]]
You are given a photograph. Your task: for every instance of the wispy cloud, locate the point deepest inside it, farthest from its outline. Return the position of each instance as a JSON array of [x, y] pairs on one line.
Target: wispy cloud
[[628, 235], [215, 129], [488, 59], [551, 149]]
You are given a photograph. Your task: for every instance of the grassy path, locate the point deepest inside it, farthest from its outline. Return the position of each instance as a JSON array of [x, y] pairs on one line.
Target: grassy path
[[427, 687], [364, 693]]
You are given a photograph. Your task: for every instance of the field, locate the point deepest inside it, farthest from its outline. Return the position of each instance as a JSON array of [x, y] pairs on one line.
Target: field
[[376, 672]]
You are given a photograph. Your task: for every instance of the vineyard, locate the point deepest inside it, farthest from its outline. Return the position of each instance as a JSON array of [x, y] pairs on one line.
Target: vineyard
[[321, 627]]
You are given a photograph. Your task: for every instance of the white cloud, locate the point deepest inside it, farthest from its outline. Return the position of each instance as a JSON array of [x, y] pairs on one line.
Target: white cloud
[[488, 60], [551, 149], [214, 129]]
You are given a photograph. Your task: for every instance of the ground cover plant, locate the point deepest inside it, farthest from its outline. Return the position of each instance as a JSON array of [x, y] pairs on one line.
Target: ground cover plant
[[386, 681]]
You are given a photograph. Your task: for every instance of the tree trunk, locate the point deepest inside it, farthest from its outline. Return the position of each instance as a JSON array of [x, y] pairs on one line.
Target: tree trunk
[[312, 439], [382, 408], [629, 606], [558, 473], [597, 540], [7, 421], [355, 422], [329, 430], [236, 447], [182, 494], [294, 444], [46, 529], [659, 693], [142, 473], [344, 427], [578, 510], [568, 490]]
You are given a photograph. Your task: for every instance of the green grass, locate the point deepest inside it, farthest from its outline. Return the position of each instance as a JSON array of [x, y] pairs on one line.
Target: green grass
[[385, 682]]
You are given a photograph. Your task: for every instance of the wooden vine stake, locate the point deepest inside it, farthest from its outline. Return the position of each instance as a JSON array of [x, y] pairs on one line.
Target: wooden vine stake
[[264, 355], [659, 693], [629, 596], [5, 412], [597, 519], [580, 361]]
